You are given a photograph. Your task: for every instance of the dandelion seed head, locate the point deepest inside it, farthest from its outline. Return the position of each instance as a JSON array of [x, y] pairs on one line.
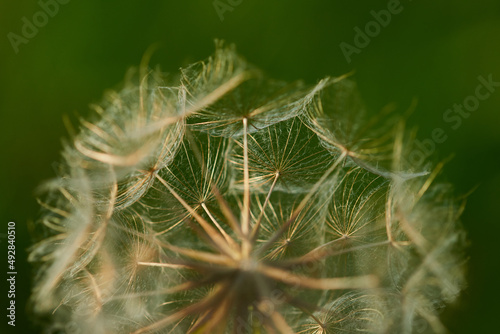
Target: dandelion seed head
[[223, 201]]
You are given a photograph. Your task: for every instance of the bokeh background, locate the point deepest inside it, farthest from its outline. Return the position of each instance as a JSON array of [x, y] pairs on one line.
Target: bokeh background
[[431, 52]]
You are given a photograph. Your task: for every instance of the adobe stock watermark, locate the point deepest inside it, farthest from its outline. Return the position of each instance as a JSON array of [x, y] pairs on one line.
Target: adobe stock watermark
[[30, 27], [454, 116], [372, 29], [222, 6]]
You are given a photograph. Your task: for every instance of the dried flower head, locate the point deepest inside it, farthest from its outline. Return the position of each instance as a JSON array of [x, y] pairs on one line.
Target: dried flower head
[[223, 201]]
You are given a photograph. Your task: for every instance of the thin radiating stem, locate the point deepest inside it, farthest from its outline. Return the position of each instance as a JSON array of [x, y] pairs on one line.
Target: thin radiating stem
[[256, 228], [245, 219], [336, 283], [246, 182], [226, 236], [320, 253], [218, 241], [228, 213]]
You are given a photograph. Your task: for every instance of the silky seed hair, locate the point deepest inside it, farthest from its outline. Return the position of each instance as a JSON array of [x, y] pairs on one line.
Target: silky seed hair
[[224, 201]]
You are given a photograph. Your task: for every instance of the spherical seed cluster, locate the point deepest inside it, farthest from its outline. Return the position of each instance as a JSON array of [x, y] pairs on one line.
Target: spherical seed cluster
[[228, 202]]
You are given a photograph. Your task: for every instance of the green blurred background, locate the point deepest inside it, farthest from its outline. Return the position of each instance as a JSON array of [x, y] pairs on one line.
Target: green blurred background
[[431, 51]]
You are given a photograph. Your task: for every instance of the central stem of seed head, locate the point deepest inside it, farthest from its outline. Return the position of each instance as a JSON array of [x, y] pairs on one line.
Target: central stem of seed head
[[250, 284], [248, 265]]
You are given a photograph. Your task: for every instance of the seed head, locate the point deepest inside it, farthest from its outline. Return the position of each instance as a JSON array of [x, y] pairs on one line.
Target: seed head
[[223, 201]]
